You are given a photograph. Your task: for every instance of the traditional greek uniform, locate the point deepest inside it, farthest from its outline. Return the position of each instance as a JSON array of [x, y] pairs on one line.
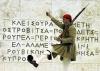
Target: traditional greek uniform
[[67, 47]]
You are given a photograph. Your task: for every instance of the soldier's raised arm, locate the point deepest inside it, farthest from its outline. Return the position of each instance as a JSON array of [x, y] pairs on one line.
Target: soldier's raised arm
[[57, 22]]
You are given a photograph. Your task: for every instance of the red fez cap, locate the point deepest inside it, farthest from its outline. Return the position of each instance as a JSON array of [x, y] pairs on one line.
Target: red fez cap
[[67, 16]]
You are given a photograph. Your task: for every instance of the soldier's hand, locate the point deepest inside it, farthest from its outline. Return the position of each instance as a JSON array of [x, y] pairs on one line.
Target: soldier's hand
[[48, 14], [58, 39]]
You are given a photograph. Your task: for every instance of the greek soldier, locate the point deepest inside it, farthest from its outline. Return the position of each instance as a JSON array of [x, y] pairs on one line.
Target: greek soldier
[[67, 38], [66, 48]]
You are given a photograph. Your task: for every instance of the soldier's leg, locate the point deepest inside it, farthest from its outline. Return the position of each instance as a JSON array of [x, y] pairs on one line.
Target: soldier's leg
[[61, 58], [54, 54], [47, 54], [34, 62], [63, 53]]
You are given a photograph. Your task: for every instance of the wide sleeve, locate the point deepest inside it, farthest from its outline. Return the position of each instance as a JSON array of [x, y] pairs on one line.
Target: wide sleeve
[[57, 22]]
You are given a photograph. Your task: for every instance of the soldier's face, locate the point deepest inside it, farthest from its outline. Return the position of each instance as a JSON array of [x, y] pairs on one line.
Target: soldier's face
[[66, 21]]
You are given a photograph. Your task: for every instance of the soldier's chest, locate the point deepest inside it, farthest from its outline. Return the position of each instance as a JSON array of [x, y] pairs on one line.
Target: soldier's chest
[[65, 33]]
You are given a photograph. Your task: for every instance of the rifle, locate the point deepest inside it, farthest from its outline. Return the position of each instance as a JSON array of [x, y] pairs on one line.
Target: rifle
[[79, 13]]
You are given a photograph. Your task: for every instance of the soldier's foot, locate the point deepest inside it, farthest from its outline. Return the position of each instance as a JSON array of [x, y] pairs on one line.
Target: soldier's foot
[[49, 56], [54, 54], [31, 60], [34, 63], [61, 58], [72, 59]]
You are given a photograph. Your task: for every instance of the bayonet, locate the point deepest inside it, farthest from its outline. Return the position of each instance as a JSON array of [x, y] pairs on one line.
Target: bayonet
[[79, 13]]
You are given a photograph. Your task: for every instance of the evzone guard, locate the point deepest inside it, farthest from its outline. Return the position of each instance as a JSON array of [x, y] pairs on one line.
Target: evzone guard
[[66, 48]]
